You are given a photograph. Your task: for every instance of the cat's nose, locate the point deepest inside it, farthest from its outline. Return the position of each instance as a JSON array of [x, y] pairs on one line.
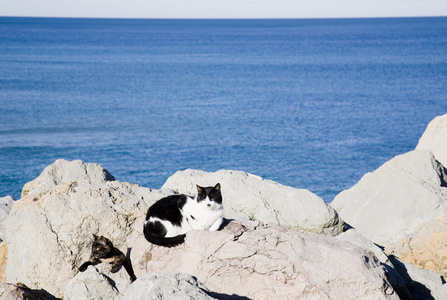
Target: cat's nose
[[209, 205]]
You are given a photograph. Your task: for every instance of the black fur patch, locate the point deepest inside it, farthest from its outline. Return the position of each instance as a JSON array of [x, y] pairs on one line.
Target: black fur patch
[[168, 208], [165, 242], [155, 228]]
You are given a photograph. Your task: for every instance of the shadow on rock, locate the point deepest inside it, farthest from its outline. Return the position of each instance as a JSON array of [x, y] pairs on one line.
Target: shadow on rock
[[227, 297], [417, 290]]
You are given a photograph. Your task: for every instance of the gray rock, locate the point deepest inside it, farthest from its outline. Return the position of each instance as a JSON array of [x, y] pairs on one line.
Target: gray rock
[[422, 284], [425, 247], [249, 197], [391, 202], [5, 207], [63, 171], [169, 286], [98, 283], [435, 139], [19, 291], [49, 233], [259, 261], [353, 237]]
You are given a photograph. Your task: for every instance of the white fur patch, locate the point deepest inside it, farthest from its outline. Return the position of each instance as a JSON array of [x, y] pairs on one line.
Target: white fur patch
[[203, 215], [171, 229]]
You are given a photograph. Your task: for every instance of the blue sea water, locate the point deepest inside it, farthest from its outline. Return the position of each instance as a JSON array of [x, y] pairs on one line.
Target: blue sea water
[[312, 104]]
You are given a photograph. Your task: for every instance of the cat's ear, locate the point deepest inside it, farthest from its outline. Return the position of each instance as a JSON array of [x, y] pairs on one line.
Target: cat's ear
[[103, 240], [199, 189], [95, 236], [217, 187]]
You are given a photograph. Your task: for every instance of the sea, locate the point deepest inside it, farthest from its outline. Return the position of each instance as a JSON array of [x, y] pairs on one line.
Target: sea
[[309, 103]]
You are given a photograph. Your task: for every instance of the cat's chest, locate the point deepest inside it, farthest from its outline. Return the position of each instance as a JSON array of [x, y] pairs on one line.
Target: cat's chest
[[200, 216], [108, 259]]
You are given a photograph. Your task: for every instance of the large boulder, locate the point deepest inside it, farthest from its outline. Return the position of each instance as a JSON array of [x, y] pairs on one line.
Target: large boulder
[[435, 139], [63, 171], [425, 247], [268, 261], [49, 233], [422, 284], [390, 203], [352, 236], [249, 197]]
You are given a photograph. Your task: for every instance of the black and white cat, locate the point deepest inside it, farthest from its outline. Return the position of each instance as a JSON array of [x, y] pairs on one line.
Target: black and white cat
[[170, 218]]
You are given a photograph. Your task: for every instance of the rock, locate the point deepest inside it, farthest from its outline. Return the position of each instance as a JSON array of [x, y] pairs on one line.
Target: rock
[[63, 171], [259, 261], [5, 207], [440, 293], [249, 197], [388, 204], [98, 283], [419, 282], [425, 247], [435, 139], [353, 237], [49, 233], [172, 286], [20, 291], [3, 261]]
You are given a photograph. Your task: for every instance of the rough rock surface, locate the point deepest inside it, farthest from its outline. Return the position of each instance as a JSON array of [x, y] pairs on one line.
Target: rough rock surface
[[435, 139], [9, 291], [63, 171], [353, 237], [49, 230], [426, 247], [421, 284], [5, 207], [259, 261], [249, 197], [98, 283], [49, 233], [388, 204], [173, 286]]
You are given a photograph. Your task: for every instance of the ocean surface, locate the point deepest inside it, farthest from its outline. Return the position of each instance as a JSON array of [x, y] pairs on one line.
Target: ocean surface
[[311, 104]]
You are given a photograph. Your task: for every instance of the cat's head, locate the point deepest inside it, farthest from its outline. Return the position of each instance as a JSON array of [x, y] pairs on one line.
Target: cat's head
[[209, 196], [101, 246]]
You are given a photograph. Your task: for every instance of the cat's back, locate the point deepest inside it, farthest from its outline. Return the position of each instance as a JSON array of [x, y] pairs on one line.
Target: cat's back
[[167, 208]]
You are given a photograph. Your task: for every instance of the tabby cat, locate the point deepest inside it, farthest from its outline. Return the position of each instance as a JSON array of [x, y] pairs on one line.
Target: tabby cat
[[103, 251]]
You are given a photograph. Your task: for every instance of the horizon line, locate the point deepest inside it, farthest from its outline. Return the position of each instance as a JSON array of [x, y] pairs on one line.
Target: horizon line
[[226, 18]]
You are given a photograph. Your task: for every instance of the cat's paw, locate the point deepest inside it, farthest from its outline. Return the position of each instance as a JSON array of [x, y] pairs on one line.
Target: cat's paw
[[115, 269], [216, 225], [84, 266]]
